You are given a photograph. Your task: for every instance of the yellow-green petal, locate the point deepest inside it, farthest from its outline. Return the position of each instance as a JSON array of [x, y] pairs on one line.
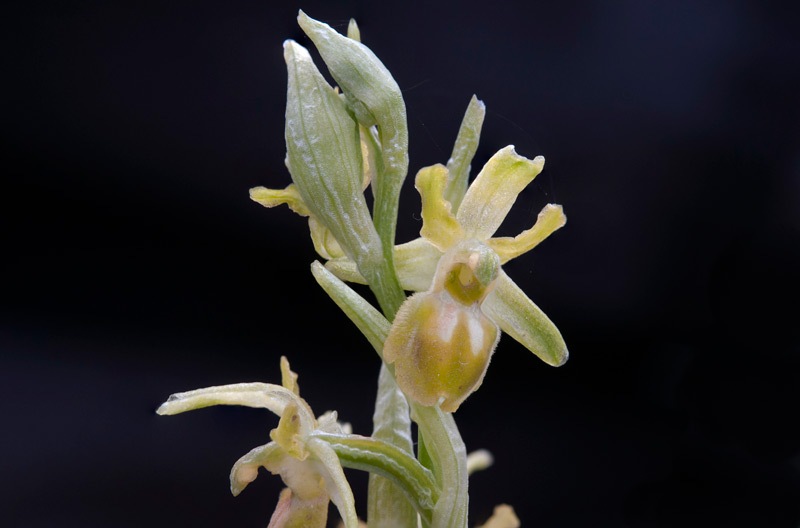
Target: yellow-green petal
[[274, 197], [439, 224], [515, 314], [550, 219], [495, 190]]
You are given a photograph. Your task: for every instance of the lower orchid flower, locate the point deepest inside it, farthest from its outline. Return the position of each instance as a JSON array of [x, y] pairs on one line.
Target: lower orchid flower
[[309, 467]]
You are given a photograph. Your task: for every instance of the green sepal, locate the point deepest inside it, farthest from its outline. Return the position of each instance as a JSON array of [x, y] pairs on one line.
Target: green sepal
[[366, 317], [520, 318], [458, 166]]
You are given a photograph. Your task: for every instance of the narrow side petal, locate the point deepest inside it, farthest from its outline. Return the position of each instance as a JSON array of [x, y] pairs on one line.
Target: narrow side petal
[[439, 225], [495, 190], [512, 310], [550, 219], [336, 482], [274, 197]]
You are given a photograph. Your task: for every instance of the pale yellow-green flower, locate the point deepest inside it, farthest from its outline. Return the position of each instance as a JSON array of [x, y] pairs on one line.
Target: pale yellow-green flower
[[442, 339], [308, 466]]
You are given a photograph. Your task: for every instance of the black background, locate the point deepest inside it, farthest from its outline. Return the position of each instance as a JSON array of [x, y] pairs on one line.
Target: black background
[[134, 264]]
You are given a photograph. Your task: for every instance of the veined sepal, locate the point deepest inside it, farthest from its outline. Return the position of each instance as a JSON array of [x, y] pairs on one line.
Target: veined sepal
[[464, 148]]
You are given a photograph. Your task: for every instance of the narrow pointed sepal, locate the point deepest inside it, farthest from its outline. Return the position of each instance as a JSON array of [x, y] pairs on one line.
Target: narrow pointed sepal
[[366, 317], [515, 314], [464, 150]]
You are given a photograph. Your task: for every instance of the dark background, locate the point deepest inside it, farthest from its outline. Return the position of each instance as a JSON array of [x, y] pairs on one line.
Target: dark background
[[134, 264]]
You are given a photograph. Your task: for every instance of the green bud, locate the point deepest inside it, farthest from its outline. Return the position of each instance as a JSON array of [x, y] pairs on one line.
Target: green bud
[[375, 98], [364, 78], [324, 156]]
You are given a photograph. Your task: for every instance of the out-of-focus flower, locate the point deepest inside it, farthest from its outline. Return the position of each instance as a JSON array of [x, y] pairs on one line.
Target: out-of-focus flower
[[503, 517]]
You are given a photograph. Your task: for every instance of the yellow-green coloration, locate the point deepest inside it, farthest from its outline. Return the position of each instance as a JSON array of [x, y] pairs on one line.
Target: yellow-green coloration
[[287, 434], [441, 341], [341, 142], [440, 349], [449, 233], [309, 467]]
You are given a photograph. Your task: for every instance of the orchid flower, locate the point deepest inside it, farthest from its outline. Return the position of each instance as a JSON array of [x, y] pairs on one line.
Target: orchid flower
[[442, 338], [309, 467]]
